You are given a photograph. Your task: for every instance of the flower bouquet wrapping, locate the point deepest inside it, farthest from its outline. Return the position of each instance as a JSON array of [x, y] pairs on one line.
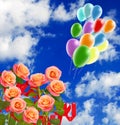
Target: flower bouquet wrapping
[[29, 99]]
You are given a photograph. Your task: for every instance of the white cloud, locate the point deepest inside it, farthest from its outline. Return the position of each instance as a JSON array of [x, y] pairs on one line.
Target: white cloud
[[20, 47], [112, 112], [105, 83], [110, 54], [83, 117], [88, 105], [115, 37], [68, 91], [21, 13], [111, 14], [105, 120], [62, 14], [15, 15], [45, 34]]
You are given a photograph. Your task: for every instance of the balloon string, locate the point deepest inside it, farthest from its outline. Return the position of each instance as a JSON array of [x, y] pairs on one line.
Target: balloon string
[[75, 73], [70, 67], [80, 70]]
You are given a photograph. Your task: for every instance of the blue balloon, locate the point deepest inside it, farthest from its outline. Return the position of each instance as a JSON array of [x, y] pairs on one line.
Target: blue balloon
[[96, 12], [81, 14], [99, 39], [88, 10]]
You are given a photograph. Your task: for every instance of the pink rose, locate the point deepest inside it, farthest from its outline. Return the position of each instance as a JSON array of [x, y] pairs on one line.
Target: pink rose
[[31, 115], [37, 79], [17, 105], [8, 78], [56, 87], [46, 103], [53, 73], [11, 93], [21, 71]]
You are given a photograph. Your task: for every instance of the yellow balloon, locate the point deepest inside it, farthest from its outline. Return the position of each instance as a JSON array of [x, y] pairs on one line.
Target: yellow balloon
[[94, 55], [102, 47]]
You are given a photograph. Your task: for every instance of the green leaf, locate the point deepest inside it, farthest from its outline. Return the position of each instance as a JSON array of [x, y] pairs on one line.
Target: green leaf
[[59, 104], [2, 119], [39, 122], [45, 91], [11, 121], [58, 98], [2, 116], [18, 116], [1, 86], [55, 121], [59, 107], [29, 102], [36, 106], [19, 80], [3, 104], [23, 123], [39, 91], [35, 89], [60, 112], [45, 113], [33, 94]]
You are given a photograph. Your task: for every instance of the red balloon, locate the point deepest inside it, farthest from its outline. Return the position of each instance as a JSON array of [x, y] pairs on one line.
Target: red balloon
[[98, 25]]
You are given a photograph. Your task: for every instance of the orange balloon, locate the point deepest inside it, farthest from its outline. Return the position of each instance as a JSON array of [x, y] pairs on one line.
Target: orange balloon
[[87, 40], [109, 26]]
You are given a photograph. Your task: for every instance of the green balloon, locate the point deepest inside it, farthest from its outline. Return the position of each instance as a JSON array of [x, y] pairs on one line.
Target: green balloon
[[81, 56], [76, 30]]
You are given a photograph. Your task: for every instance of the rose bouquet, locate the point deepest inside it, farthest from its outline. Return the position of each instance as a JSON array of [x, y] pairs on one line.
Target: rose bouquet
[[25, 98]]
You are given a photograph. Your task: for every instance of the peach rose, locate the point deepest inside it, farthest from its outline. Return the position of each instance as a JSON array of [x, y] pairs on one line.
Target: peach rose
[[53, 73], [56, 87], [31, 115], [37, 79], [8, 78], [21, 71], [11, 93], [17, 105], [46, 103]]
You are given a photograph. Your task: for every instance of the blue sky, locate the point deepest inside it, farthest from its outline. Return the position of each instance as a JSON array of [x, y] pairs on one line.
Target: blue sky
[[36, 34]]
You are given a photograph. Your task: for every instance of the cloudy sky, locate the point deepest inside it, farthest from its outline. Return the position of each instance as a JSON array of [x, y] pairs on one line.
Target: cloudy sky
[[35, 32]]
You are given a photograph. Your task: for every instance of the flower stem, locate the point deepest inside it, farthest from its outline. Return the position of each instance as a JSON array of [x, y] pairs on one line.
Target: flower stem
[[39, 92], [46, 118], [16, 123], [8, 118]]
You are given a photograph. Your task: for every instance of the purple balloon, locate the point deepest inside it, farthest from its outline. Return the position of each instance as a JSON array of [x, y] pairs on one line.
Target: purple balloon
[[88, 27], [71, 45]]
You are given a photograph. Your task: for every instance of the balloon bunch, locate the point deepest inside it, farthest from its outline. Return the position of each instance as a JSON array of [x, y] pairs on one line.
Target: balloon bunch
[[92, 36]]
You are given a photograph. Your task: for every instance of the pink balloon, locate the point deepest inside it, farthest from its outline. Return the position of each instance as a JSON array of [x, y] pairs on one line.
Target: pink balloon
[[71, 45], [88, 27]]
